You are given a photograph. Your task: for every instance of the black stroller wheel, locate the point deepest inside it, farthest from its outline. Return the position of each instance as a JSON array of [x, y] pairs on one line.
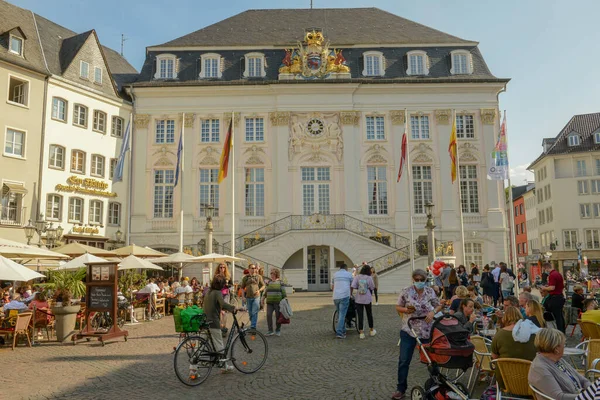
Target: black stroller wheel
[[417, 393]]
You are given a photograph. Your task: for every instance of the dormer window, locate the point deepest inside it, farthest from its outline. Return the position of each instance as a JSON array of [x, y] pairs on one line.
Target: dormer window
[[418, 63], [98, 75], [574, 140], [16, 45], [373, 61], [597, 137], [210, 66], [84, 70], [166, 67], [255, 65], [461, 63]]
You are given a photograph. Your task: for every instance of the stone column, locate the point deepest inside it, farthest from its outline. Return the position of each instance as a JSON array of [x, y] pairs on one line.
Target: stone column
[[352, 153]]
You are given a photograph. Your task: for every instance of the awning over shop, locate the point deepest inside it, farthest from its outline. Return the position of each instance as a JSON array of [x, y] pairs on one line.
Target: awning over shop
[[17, 188]]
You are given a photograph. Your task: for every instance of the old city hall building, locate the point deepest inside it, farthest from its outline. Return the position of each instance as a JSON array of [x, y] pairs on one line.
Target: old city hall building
[[318, 100]]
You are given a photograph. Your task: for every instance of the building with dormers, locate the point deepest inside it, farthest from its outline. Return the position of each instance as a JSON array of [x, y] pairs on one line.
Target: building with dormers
[[567, 169], [319, 101]]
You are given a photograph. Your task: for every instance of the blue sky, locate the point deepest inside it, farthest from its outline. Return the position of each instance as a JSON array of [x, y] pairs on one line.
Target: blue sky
[[548, 48]]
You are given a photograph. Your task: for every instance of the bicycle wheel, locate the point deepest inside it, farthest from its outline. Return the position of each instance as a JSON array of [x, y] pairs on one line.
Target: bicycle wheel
[[335, 321], [96, 321], [193, 361], [249, 351]]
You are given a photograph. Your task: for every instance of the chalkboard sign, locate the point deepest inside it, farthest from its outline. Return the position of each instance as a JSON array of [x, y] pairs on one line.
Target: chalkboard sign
[[101, 297]]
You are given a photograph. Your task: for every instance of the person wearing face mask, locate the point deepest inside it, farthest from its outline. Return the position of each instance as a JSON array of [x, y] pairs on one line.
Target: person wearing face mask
[[417, 300], [556, 299]]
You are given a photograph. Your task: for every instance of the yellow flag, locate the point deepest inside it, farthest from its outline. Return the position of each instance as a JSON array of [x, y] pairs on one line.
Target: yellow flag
[[452, 149]]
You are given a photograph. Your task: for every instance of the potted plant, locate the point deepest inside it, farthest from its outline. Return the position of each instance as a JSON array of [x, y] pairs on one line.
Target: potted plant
[[68, 287]]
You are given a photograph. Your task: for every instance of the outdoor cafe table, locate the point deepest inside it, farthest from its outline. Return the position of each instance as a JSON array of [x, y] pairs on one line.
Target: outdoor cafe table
[[572, 353]]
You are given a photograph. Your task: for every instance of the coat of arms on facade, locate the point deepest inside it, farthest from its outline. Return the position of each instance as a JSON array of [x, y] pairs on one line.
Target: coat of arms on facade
[[313, 60]]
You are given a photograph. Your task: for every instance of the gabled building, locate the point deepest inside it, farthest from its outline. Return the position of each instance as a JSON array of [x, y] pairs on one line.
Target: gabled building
[[567, 176], [319, 101]]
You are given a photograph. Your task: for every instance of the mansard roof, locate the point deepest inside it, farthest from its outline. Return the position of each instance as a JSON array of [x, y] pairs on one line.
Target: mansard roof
[[341, 26]]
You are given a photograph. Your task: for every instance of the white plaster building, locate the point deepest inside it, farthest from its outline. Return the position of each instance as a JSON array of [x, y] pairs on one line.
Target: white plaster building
[[318, 130]]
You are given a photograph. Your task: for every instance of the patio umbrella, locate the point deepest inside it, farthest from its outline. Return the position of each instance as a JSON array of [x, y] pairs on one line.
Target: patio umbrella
[[138, 251], [80, 261], [78, 249], [11, 271], [12, 249], [133, 262], [217, 258], [178, 257]]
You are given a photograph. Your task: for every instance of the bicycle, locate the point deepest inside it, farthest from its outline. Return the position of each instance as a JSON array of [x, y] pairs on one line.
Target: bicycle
[[196, 355], [351, 317], [103, 320]]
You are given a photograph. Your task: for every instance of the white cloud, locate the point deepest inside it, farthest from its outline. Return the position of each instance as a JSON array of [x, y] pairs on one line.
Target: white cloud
[[520, 176]]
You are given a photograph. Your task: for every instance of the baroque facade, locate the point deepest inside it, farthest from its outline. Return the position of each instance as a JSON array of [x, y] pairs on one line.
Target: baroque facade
[[318, 116]]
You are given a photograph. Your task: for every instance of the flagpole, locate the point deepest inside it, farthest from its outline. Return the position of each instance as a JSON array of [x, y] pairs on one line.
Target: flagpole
[[181, 193], [409, 183], [462, 225], [130, 183], [232, 195], [512, 231]]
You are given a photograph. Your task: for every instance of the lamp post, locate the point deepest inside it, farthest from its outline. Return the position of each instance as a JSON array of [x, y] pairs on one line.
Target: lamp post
[[40, 227], [209, 211], [30, 230], [579, 246], [430, 236]]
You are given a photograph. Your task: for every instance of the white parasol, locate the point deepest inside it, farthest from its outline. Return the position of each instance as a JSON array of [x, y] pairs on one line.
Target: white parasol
[[12, 249], [11, 271], [80, 261], [133, 262]]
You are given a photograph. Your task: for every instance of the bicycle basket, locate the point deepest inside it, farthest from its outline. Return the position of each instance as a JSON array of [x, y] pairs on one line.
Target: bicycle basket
[[192, 319]]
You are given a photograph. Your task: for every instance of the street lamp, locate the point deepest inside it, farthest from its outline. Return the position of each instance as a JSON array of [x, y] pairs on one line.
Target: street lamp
[[209, 211], [579, 246], [118, 235], [50, 235], [430, 236], [30, 230]]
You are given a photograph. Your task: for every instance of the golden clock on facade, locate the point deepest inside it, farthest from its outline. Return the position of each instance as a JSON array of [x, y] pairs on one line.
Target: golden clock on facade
[[315, 127]]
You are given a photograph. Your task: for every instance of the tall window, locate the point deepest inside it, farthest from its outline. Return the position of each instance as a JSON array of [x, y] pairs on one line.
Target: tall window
[[117, 127], [592, 238], [582, 187], [597, 137], [585, 211], [16, 45], [255, 67], [209, 189], [473, 253], [255, 130], [315, 190], [95, 216], [460, 63], [57, 156], [78, 161], [417, 63], [11, 207], [53, 207], [570, 239], [211, 67], [99, 121], [14, 143], [97, 165], [165, 131], [114, 214], [597, 166], [465, 129], [596, 210], [75, 210], [59, 109], [163, 193], [574, 140], [113, 166], [377, 190], [375, 128], [422, 187], [84, 70], [255, 192], [595, 186], [419, 127], [80, 113], [98, 75], [581, 168], [469, 188], [542, 217], [18, 91], [209, 131], [373, 65], [166, 68]]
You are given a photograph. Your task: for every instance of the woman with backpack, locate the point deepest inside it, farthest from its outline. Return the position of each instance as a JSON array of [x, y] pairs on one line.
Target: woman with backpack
[[363, 284]]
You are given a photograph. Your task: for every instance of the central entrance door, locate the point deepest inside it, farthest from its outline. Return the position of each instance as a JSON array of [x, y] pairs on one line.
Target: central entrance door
[[318, 268]]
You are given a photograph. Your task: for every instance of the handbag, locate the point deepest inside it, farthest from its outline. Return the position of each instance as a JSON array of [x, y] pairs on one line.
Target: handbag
[[283, 320]]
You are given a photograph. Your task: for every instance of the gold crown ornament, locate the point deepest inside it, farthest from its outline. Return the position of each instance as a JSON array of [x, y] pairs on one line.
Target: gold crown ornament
[[314, 37]]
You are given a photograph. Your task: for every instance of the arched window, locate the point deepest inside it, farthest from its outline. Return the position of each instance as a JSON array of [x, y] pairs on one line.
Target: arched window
[[210, 65], [418, 63], [377, 193], [166, 66], [255, 65], [374, 63], [462, 62]]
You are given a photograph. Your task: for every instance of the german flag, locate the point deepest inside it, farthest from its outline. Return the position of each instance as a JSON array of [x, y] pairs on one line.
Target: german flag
[[227, 146], [452, 149]]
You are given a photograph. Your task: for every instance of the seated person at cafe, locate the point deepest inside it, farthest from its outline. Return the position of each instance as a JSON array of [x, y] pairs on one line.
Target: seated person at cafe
[[524, 297], [549, 372], [509, 301], [474, 296], [461, 293], [577, 298], [590, 311], [14, 304], [466, 314], [535, 313], [184, 289], [505, 346]]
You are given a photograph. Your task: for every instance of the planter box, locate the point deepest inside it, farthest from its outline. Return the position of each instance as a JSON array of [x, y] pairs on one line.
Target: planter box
[[139, 313]]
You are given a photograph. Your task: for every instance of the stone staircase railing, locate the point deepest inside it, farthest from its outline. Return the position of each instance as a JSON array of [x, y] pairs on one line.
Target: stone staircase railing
[[400, 256]]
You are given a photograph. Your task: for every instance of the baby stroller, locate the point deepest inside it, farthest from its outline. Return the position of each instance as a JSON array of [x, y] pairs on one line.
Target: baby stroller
[[449, 347]]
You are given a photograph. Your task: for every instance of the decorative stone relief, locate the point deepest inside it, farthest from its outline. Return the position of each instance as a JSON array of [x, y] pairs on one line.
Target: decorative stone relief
[[442, 117], [279, 118], [163, 151], [467, 156], [163, 161], [236, 120], [141, 121], [189, 120], [310, 131], [398, 117], [350, 117], [422, 158], [468, 147], [254, 158], [422, 147], [210, 156], [488, 116], [377, 159]]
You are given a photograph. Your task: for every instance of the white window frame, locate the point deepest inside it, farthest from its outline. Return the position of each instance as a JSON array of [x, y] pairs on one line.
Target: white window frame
[[112, 167], [99, 124], [474, 253], [570, 242], [208, 189], [72, 211], [254, 72], [98, 165], [10, 46], [98, 75], [203, 70], [163, 134], [377, 192], [422, 178], [597, 137], [462, 125], [580, 168], [255, 129], [23, 144], [114, 214], [84, 73], [254, 192], [597, 166], [314, 183], [77, 115], [95, 212], [53, 154], [595, 186], [82, 158], [469, 187], [53, 203], [24, 87], [417, 127], [168, 73], [117, 126], [573, 140], [596, 210], [413, 69], [375, 122], [163, 199], [56, 110], [456, 70], [210, 130], [585, 210], [373, 72], [592, 238], [583, 187]]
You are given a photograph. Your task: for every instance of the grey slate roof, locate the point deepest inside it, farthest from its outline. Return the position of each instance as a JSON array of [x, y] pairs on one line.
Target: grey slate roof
[[341, 26], [585, 125], [518, 191], [12, 17]]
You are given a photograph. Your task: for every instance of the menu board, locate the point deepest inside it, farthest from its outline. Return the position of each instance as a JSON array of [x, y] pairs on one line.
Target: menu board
[[100, 273], [101, 297]]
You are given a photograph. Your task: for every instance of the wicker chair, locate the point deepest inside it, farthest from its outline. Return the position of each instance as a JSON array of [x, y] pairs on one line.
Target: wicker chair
[[43, 319], [483, 359], [589, 330], [160, 306], [21, 328], [514, 372], [537, 395], [592, 354]]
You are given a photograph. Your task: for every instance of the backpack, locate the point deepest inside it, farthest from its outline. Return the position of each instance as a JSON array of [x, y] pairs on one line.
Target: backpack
[[363, 286]]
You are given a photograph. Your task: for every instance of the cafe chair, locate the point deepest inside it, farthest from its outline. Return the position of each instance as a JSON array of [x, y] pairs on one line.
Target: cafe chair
[[21, 328], [589, 330], [160, 306], [537, 395], [43, 319], [514, 372], [482, 360], [592, 353]]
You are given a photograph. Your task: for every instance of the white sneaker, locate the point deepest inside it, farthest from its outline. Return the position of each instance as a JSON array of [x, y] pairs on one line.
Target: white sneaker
[[135, 321], [226, 369], [373, 333], [362, 336], [376, 303]]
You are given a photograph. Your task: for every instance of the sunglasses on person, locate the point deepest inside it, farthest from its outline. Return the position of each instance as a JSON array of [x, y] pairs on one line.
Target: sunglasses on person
[[419, 279]]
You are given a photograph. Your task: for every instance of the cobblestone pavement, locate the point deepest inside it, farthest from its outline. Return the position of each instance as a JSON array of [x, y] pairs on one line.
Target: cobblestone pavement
[[306, 362]]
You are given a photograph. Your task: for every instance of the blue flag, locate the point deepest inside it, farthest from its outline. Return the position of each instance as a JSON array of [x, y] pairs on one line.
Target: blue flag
[[118, 174], [179, 151]]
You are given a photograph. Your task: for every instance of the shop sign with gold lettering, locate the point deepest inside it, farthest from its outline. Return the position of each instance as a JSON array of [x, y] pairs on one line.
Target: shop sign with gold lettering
[[82, 229], [94, 187]]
